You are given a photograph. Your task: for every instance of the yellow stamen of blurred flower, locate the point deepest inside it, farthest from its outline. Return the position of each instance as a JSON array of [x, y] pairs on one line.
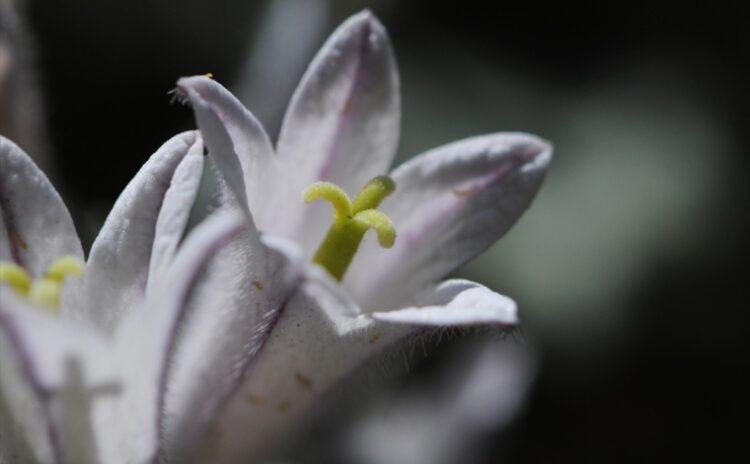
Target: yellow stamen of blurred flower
[[16, 277], [44, 291]]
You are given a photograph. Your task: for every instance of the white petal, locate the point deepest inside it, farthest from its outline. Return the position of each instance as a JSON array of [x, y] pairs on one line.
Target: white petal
[[117, 268], [25, 422], [175, 210], [342, 124], [236, 141], [314, 345], [35, 226], [233, 132], [450, 204], [227, 321], [148, 337], [55, 378], [455, 303]]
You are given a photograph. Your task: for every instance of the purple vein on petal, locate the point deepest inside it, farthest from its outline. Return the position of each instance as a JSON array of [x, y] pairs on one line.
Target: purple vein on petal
[[461, 194], [182, 300], [8, 326], [15, 242], [270, 321], [343, 120], [345, 113]]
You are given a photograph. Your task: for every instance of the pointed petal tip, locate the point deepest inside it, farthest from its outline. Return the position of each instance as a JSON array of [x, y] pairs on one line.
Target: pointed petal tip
[[363, 22], [200, 89], [364, 16], [541, 151], [533, 153], [536, 150], [193, 82], [188, 137]]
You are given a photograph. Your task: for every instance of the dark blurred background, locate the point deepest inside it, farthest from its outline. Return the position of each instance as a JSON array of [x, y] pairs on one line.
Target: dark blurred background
[[628, 268]]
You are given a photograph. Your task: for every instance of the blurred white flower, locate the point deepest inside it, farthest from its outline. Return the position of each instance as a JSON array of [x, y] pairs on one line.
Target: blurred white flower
[[478, 394], [448, 206], [281, 46], [82, 379]]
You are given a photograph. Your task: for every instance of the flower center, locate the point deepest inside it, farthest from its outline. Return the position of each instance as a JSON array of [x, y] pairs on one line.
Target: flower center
[[44, 291], [351, 219]]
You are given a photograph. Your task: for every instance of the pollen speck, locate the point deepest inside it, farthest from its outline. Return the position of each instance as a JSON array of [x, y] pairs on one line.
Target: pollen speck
[[303, 380], [17, 240], [258, 285], [255, 400], [375, 339], [347, 106], [464, 193]]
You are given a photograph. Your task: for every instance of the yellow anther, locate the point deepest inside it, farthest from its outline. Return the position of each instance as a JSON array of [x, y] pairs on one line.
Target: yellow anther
[[351, 221], [342, 207], [46, 292], [64, 267], [15, 276], [373, 193], [380, 223]]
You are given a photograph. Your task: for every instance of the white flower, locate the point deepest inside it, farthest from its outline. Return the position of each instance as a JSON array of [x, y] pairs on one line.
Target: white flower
[[341, 127], [81, 380], [155, 353]]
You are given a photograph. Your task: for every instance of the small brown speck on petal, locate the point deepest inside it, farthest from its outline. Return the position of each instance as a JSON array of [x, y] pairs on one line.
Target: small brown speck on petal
[[464, 193], [17, 240], [303, 380], [255, 400]]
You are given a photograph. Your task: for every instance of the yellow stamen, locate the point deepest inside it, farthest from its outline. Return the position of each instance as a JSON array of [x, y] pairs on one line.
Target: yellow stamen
[[342, 207], [351, 221], [380, 223], [15, 276], [373, 193], [44, 291], [64, 267]]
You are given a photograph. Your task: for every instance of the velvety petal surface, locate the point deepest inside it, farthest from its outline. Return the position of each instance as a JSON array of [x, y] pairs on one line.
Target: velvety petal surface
[[118, 265], [450, 204], [146, 339], [317, 340], [55, 378], [26, 429], [35, 226], [229, 318], [175, 211], [342, 124]]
